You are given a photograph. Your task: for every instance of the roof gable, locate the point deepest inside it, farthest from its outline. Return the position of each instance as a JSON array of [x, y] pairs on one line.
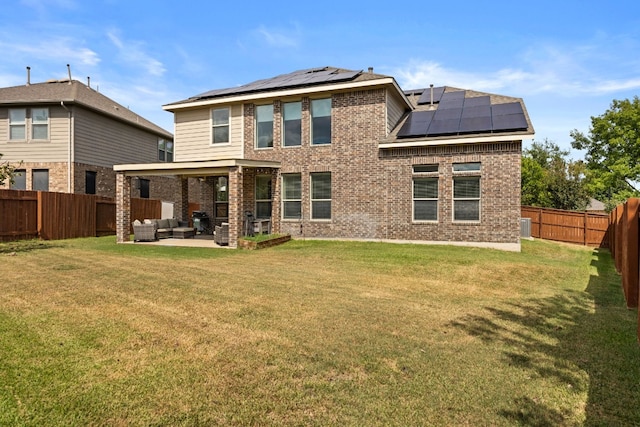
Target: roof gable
[[75, 92]]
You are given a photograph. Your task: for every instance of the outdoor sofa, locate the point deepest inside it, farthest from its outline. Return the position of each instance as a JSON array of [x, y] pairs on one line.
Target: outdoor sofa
[[154, 229]]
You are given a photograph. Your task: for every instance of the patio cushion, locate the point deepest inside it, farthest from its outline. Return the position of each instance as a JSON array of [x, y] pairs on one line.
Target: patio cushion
[[163, 223], [173, 223]]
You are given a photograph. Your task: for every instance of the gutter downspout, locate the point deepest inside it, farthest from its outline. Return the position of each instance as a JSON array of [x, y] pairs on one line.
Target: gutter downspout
[[70, 150]]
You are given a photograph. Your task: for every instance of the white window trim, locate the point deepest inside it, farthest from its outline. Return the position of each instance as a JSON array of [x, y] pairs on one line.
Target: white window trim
[[311, 199], [22, 124], [219, 144], [466, 174], [33, 124], [282, 130], [414, 199]]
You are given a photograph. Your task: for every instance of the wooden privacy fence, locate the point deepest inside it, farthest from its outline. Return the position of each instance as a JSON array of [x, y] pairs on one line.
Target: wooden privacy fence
[[590, 229], [53, 216], [624, 243]]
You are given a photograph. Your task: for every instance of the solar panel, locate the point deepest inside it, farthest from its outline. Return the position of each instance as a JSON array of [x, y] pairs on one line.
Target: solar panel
[[443, 127], [478, 111], [475, 124], [425, 98], [416, 124], [509, 122], [448, 114], [508, 108], [477, 101], [452, 100]]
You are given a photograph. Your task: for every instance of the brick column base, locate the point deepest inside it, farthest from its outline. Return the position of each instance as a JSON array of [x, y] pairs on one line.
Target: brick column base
[[123, 208]]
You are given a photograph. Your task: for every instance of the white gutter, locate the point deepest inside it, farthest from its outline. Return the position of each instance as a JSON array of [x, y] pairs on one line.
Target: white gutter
[[288, 92], [470, 140]]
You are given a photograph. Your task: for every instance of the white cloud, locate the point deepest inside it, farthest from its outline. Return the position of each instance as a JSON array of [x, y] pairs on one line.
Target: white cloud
[[133, 53], [279, 38], [61, 49], [587, 69]]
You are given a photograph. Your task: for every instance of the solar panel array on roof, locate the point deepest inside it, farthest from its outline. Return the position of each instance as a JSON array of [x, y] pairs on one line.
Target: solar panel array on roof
[[425, 98], [457, 114], [298, 78]]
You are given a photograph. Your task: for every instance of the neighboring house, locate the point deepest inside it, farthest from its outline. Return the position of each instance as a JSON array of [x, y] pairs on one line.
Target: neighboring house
[[334, 153], [68, 136]]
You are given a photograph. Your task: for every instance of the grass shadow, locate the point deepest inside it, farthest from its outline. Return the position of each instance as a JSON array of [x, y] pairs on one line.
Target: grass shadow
[[585, 340], [24, 246]]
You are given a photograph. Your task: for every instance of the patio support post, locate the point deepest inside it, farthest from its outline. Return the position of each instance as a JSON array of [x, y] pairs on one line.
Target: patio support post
[[275, 197], [235, 204], [182, 207], [123, 207]]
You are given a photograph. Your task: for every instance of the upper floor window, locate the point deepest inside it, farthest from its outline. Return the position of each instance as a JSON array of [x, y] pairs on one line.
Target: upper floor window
[[321, 121], [220, 119], [321, 195], [264, 126], [263, 196], [292, 124], [165, 150], [17, 124], [40, 123]]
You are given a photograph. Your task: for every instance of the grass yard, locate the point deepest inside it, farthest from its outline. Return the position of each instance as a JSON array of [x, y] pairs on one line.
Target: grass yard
[[314, 333]]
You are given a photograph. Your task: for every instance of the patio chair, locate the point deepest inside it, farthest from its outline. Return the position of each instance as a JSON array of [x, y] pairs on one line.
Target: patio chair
[[221, 234], [144, 232]]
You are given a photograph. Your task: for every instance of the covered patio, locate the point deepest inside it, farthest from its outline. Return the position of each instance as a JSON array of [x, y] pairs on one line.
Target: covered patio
[[240, 178]]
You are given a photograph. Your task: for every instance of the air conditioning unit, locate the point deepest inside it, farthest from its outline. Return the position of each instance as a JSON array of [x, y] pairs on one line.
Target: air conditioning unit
[[525, 228]]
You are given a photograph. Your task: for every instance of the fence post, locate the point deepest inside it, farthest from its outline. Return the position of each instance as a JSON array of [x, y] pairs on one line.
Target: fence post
[[629, 267]]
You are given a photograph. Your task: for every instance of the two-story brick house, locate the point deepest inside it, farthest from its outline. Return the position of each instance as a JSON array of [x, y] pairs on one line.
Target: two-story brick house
[[333, 153], [66, 136]]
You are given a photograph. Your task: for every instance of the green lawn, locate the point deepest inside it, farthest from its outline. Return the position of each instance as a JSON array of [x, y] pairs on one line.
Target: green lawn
[[314, 333]]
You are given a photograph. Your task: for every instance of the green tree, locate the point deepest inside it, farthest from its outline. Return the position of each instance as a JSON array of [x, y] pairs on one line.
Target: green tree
[[612, 152], [550, 180], [7, 172]]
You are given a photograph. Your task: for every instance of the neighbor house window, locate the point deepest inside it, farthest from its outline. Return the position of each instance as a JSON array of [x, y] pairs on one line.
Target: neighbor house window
[[264, 126], [145, 185], [19, 180], [165, 150], [222, 197], [321, 121], [466, 192], [263, 196], [90, 182], [425, 192], [39, 123], [321, 195], [291, 196], [17, 124], [220, 131], [292, 124], [40, 180]]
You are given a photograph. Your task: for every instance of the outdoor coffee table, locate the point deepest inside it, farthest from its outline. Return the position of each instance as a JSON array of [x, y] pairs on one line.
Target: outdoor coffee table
[[183, 232]]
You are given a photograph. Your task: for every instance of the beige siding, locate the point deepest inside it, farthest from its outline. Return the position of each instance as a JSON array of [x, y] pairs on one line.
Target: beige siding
[[102, 141], [395, 111], [193, 136], [56, 149]]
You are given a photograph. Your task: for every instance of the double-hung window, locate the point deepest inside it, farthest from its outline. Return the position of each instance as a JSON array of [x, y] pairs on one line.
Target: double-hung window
[[291, 196], [264, 126], [292, 123], [17, 124], [321, 121], [425, 193], [220, 126], [263, 196], [165, 150], [39, 123], [321, 195], [466, 191]]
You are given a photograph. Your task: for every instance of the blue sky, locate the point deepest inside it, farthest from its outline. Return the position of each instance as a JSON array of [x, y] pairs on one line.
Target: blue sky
[[567, 59]]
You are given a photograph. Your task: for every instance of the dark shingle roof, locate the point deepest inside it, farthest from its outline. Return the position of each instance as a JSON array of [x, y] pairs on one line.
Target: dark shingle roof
[[55, 91]]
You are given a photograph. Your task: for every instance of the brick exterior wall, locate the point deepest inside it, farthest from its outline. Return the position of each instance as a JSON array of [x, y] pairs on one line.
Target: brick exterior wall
[[57, 175], [372, 189]]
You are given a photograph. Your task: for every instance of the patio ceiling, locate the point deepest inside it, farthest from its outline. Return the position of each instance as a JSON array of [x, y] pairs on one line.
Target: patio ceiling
[[191, 169]]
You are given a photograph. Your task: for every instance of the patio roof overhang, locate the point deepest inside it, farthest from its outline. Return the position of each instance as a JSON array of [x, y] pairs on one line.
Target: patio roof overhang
[[191, 169]]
